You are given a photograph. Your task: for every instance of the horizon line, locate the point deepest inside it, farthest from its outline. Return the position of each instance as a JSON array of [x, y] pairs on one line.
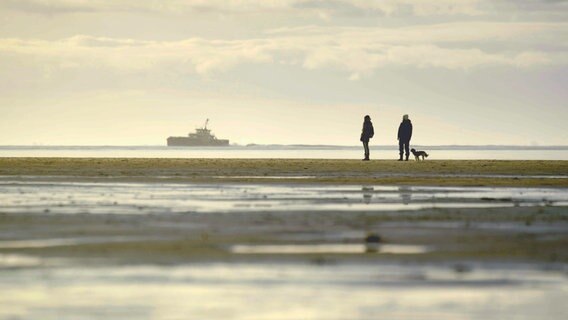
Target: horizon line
[[252, 145]]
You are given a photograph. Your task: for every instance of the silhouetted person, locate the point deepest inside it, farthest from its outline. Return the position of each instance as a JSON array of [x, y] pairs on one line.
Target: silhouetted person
[[367, 133], [404, 136]]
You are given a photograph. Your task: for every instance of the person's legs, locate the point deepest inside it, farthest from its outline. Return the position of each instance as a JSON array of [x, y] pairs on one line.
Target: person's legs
[[366, 147], [407, 149], [400, 148]]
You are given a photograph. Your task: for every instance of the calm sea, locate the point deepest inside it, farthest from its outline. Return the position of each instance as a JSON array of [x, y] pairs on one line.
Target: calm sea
[[289, 152]]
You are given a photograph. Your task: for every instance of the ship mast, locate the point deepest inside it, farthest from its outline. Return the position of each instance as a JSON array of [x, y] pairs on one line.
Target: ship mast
[[206, 122]]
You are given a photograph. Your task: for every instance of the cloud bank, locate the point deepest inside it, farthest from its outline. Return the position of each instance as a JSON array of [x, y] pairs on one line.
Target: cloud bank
[[322, 8], [356, 51], [387, 7]]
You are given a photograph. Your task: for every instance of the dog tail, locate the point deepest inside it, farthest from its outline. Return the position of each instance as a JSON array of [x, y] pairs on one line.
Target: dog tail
[[425, 154]]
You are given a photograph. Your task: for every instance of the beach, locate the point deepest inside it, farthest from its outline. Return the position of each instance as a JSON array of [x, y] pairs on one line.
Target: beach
[[243, 160], [163, 238], [538, 173]]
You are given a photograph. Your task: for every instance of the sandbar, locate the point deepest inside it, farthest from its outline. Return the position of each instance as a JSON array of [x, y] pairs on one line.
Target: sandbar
[[512, 173]]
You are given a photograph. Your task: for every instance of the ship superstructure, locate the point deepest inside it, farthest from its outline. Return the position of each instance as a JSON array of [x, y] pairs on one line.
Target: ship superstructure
[[201, 137]]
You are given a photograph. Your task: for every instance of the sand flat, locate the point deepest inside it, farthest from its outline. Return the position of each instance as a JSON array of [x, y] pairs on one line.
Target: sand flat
[[88, 236], [439, 172], [163, 222]]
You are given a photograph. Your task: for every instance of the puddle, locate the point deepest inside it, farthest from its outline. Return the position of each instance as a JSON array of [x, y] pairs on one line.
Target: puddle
[[341, 248], [47, 243], [266, 177], [18, 261], [458, 175]]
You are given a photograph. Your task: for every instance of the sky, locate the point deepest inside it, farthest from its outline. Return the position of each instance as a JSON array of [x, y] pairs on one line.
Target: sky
[[133, 72]]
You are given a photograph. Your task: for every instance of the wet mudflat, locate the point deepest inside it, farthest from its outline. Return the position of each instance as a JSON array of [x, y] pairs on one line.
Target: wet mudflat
[[110, 250]]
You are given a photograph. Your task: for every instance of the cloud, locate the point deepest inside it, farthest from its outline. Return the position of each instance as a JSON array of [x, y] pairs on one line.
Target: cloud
[[422, 8], [355, 51], [385, 7], [322, 10], [532, 33], [164, 6]]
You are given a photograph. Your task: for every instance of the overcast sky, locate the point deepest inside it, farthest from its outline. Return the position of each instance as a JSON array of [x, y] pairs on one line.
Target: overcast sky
[[133, 72]]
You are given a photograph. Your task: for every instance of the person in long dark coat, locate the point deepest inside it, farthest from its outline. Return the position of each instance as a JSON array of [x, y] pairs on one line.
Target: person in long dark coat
[[404, 136], [367, 133]]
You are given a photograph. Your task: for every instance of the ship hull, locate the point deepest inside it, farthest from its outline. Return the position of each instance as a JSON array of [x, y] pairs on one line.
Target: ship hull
[[189, 142]]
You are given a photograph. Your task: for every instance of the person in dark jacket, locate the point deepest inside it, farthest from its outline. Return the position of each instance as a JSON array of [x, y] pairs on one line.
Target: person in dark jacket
[[404, 136], [367, 133]]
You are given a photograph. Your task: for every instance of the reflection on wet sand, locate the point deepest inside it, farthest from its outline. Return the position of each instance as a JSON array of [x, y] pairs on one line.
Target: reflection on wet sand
[[165, 251], [405, 194], [367, 194], [144, 198]]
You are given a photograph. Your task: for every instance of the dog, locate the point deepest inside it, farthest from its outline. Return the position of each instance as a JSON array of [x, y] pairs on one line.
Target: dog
[[418, 154]]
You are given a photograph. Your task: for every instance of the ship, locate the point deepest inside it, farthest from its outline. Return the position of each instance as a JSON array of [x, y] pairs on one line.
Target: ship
[[202, 137]]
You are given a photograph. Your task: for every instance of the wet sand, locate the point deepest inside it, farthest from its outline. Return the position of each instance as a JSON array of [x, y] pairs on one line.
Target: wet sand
[[435, 173], [155, 223], [142, 237], [537, 235]]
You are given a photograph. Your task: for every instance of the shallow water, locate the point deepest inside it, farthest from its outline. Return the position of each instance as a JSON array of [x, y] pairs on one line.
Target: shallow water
[[284, 152], [284, 291], [344, 248], [144, 198]]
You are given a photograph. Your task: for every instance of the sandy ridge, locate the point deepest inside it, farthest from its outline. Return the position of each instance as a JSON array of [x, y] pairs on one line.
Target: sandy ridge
[[443, 172]]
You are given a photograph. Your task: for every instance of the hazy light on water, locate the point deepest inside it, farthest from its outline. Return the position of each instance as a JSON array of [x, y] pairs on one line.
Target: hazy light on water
[[326, 248], [280, 291], [276, 153]]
